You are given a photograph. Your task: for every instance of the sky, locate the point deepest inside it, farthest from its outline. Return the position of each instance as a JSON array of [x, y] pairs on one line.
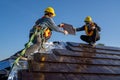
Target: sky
[[18, 16]]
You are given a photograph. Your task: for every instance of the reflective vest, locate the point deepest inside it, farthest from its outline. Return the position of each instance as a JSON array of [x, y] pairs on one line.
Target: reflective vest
[[89, 33], [47, 33]]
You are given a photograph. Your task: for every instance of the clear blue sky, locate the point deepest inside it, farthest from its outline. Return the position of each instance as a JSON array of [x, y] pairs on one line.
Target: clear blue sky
[[18, 16]]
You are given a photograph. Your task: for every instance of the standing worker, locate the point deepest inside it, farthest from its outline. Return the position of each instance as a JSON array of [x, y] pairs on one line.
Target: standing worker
[[45, 26], [47, 22], [92, 31]]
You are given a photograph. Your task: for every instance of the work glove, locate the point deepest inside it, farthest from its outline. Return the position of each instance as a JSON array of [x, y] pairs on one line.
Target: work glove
[[93, 27], [65, 32], [61, 25]]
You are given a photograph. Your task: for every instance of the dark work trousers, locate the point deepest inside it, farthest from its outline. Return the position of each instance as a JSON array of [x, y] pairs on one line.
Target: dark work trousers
[[89, 39]]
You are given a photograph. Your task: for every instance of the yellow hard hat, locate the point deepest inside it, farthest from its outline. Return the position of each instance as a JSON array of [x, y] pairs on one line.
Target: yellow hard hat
[[88, 19], [50, 10]]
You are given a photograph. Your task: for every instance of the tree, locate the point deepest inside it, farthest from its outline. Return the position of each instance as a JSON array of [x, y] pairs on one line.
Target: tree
[[101, 44]]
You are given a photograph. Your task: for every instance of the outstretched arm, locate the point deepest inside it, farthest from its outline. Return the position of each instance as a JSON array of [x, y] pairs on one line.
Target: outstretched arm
[[53, 26], [80, 28]]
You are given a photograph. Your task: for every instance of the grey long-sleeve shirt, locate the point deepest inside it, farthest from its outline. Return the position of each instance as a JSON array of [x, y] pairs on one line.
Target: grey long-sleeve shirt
[[48, 22]]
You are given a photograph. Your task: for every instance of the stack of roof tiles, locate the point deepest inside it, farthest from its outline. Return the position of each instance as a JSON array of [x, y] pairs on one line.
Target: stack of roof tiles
[[77, 62]]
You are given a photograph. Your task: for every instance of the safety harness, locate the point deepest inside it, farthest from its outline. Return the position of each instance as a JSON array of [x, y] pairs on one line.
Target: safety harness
[[23, 51], [44, 32], [47, 33], [89, 32]]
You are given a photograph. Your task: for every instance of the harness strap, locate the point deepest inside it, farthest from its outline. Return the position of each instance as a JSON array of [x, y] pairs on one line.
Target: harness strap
[[43, 38], [89, 33], [24, 50]]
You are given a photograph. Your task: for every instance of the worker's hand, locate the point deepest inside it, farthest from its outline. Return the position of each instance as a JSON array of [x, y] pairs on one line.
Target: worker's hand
[[61, 25], [93, 27], [65, 32]]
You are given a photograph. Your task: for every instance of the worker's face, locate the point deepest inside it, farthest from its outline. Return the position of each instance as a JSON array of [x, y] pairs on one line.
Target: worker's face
[[86, 22], [51, 15]]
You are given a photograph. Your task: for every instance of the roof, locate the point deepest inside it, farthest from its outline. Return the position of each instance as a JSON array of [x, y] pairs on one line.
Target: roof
[[77, 62], [4, 64]]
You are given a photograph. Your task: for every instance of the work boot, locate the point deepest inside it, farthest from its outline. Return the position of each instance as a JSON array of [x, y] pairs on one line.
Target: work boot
[[92, 44]]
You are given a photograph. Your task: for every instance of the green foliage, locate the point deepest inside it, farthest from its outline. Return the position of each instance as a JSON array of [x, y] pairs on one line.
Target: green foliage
[[101, 44]]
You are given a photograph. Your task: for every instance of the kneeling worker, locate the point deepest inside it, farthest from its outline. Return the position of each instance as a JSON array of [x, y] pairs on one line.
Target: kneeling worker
[[92, 31]]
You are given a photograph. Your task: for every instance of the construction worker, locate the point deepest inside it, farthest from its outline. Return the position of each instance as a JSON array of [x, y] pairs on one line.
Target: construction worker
[[92, 31], [46, 24]]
